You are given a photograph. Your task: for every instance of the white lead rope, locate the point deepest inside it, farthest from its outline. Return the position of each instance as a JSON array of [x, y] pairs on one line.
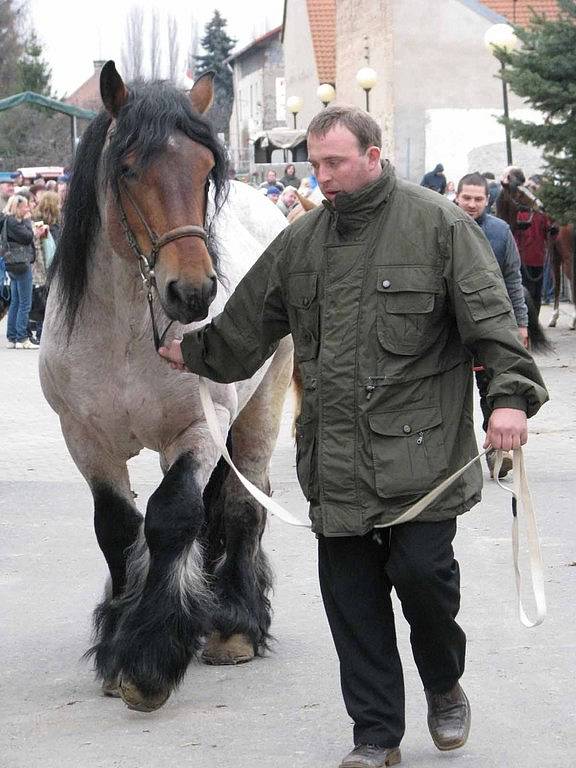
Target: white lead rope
[[521, 495]]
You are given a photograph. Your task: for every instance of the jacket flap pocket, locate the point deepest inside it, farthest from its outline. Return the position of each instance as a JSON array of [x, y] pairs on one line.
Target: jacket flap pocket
[[302, 289], [476, 282], [405, 423], [408, 277]]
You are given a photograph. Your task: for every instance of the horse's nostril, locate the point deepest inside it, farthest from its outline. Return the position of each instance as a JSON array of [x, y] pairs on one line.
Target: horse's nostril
[[212, 287], [172, 292]]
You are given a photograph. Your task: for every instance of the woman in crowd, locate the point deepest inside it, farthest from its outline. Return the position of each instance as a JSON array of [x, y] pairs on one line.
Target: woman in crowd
[[17, 220], [46, 236]]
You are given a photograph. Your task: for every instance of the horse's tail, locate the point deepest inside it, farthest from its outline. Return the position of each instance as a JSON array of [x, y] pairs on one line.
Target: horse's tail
[[539, 342], [298, 389]]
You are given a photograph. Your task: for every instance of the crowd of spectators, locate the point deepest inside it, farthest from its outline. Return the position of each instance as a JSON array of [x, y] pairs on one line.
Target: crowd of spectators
[[30, 216]]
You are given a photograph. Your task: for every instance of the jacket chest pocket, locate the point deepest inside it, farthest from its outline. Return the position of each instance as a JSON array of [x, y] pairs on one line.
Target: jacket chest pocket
[[305, 311], [408, 450], [406, 300]]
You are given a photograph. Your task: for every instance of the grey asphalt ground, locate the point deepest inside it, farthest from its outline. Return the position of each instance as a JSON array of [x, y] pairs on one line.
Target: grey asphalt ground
[[285, 710]]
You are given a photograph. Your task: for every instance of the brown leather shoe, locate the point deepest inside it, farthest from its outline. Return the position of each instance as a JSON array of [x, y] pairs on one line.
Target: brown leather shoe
[[506, 463], [449, 718], [371, 756]]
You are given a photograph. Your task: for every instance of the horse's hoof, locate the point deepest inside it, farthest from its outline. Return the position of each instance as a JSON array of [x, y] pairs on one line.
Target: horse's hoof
[[236, 649], [133, 697], [111, 688]]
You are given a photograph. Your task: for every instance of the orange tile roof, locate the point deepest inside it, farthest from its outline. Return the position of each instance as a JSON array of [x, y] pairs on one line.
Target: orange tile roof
[[87, 95], [322, 17], [521, 11]]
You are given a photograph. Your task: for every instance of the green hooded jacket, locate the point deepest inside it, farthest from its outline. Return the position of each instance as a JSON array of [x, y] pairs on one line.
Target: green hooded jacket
[[389, 294]]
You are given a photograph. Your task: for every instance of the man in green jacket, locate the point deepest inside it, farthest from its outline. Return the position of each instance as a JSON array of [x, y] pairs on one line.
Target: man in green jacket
[[389, 292]]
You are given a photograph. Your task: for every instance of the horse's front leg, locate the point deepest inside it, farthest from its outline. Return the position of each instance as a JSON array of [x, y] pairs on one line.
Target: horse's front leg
[[242, 575], [161, 630], [118, 527]]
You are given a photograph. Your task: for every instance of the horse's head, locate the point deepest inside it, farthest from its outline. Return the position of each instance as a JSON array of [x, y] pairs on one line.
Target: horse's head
[[158, 159]]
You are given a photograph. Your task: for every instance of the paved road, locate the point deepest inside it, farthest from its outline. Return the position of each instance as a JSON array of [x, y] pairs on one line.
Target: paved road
[[283, 711]]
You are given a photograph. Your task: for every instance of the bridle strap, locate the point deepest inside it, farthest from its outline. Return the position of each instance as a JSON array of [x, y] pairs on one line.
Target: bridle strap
[[147, 261]]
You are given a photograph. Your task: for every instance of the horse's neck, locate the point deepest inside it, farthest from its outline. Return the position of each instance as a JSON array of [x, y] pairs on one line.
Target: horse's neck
[[115, 286]]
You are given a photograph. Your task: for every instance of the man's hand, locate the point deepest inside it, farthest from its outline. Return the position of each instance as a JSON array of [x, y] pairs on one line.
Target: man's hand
[[507, 429], [523, 332], [173, 355]]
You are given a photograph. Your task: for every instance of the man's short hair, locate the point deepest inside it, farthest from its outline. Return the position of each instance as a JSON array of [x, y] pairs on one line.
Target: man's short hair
[[473, 180], [489, 175], [357, 121]]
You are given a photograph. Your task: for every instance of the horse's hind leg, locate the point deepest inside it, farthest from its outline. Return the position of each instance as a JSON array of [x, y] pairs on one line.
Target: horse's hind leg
[[159, 633], [242, 575], [556, 271]]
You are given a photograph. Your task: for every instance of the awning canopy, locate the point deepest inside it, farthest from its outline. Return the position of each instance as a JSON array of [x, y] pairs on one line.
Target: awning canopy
[[29, 97], [280, 138]]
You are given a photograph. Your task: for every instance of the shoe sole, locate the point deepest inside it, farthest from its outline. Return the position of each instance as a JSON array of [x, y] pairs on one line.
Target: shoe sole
[[394, 758]]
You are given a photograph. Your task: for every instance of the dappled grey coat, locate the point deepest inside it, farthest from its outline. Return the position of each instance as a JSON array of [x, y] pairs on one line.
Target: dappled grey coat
[[389, 294]]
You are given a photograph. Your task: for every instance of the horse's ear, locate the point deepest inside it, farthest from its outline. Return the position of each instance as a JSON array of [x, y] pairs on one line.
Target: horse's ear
[[112, 89], [202, 93]]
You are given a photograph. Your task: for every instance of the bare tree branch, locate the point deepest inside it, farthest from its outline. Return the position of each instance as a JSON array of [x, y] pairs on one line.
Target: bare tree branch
[[173, 50], [193, 49], [155, 50], [133, 48]]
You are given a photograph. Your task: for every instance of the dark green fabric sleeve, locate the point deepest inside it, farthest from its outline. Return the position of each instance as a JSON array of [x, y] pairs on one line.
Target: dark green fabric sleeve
[[486, 321], [237, 342]]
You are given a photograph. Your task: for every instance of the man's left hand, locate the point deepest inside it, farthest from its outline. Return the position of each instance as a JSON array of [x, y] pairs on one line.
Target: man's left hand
[[523, 332], [507, 429]]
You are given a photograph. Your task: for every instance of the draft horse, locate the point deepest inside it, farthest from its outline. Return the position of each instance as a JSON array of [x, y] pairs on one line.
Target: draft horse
[[562, 248], [150, 215]]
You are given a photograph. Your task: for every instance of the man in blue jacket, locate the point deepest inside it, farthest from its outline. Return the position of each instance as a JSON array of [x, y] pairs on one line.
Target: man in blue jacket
[[473, 197]]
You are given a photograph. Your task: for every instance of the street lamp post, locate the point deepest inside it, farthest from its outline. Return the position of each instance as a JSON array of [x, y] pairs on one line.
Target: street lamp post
[[294, 105], [326, 93], [367, 79], [500, 39]]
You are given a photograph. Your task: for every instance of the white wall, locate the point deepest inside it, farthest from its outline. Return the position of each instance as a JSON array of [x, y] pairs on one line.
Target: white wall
[[466, 140]]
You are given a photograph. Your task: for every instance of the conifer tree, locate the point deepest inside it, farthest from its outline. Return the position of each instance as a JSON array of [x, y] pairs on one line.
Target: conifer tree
[[543, 72], [218, 46]]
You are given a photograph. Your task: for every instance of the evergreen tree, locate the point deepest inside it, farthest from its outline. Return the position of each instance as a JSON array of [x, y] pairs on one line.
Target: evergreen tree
[[218, 46], [543, 72], [11, 46], [33, 72]]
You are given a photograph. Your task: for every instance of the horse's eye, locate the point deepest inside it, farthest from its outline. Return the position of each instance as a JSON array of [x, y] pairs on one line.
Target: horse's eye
[[127, 172]]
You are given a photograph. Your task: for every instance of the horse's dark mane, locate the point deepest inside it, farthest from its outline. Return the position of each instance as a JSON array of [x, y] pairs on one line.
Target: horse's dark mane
[[153, 112]]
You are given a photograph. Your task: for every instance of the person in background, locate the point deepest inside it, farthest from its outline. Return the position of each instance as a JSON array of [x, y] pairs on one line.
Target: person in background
[[493, 190], [271, 181], [6, 192], [290, 179], [435, 179], [273, 193], [18, 222], [287, 200], [63, 189], [450, 191], [472, 197]]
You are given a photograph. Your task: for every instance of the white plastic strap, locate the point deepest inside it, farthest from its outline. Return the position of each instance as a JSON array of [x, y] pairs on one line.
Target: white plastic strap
[[521, 493], [214, 427]]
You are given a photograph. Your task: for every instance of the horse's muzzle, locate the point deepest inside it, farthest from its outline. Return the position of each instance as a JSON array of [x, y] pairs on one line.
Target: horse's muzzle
[[187, 303]]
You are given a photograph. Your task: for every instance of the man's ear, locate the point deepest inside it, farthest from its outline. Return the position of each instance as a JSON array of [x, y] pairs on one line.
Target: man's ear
[[374, 154]]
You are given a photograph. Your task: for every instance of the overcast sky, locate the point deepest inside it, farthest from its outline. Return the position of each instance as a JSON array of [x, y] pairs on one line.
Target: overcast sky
[[75, 33]]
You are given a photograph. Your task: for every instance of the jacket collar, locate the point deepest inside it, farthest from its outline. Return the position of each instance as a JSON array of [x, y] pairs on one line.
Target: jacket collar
[[352, 210]]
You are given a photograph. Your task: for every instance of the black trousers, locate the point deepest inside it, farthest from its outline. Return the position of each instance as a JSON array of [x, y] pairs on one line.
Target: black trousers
[[356, 578]]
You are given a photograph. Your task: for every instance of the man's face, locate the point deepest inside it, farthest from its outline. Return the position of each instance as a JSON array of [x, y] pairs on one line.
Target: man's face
[[6, 188], [339, 164], [473, 200], [289, 198], [271, 177]]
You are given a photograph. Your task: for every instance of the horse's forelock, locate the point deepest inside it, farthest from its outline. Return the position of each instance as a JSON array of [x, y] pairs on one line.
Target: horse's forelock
[[154, 111]]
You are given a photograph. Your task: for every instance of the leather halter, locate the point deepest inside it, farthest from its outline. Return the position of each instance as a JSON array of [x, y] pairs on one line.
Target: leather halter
[[147, 261]]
